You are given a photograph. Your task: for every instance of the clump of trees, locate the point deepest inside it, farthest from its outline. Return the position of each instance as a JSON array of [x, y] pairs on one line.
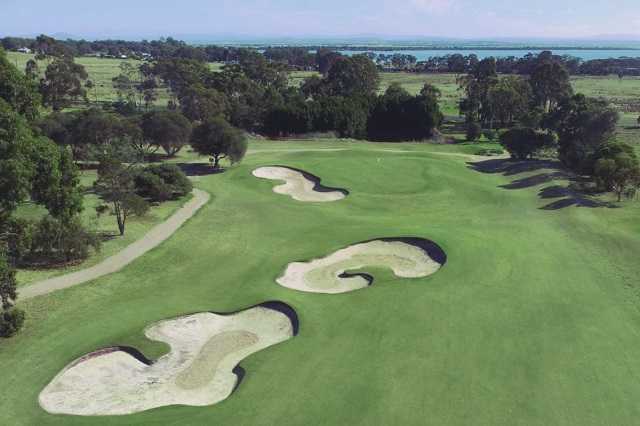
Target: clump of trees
[[540, 111], [32, 167]]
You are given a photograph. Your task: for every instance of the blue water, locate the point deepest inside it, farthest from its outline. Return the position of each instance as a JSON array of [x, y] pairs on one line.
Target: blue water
[[585, 54]]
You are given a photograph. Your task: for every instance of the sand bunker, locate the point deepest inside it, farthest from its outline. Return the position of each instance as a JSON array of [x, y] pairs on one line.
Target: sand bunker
[[199, 370], [407, 257], [302, 186]]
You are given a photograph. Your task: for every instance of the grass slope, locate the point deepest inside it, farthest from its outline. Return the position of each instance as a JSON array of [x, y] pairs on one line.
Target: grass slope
[[534, 318]]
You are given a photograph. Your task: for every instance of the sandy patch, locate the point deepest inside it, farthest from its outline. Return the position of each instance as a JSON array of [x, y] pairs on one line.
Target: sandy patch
[[205, 349], [407, 258], [302, 186]]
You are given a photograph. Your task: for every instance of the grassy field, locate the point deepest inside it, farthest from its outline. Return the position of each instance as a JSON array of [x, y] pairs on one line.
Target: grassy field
[[622, 93], [534, 319], [104, 224]]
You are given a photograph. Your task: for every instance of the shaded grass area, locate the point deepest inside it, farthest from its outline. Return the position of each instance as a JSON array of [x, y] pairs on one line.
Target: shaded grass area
[[533, 319]]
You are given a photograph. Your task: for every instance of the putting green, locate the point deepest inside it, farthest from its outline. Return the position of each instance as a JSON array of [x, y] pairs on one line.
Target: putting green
[[302, 186], [199, 370], [407, 258]]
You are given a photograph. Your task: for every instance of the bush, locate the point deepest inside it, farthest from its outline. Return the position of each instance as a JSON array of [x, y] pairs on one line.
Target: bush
[[490, 135], [151, 186], [523, 142], [11, 321], [161, 182], [63, 240], [474, 131]]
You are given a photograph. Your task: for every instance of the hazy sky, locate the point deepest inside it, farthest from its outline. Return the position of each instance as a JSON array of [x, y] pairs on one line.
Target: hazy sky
[[429, 18]]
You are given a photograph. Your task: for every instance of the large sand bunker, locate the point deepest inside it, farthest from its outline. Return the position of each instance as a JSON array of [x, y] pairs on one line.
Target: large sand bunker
[[201, 368], [407, 257], [302, 186]]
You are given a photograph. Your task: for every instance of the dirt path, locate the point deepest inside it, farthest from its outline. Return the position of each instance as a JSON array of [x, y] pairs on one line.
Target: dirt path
[[119, 260]]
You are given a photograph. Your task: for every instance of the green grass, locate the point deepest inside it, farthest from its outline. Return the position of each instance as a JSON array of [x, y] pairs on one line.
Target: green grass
[[622, 93], [534, 318], [104, 225]]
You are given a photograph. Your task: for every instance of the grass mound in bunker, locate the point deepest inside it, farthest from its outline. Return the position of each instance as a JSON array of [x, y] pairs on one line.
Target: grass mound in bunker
[[406, 257]]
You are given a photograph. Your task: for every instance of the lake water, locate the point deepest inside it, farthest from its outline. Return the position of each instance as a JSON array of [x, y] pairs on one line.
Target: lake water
[[585, 54]]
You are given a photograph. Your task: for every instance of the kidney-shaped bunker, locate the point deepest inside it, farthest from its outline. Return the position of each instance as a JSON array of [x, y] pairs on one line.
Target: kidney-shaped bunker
[[302, 186], [201, 368], [406, 257]]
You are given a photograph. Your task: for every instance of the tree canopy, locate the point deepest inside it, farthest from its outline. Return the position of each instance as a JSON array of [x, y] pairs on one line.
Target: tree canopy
[[218, 139]]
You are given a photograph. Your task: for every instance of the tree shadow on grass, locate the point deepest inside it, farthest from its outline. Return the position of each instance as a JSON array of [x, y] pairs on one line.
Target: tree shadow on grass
[[199, 169], [534, 180], [574, 194], [568, 197], [511, 167]]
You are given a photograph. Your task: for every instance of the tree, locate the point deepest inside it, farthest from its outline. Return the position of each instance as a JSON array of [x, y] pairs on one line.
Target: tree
[[161, 182], [124, 83], [523, 142], [63, 240], [55, 184], [457, 64], [95, 134], [201, 103], [18, 90], [549, 82], [62, 83], [620, 174], [16, 169], [218, 139], [244, 107], [476, 85], [583, 125], [180, 73], [509, 98], [11, 319], [399, 116], [8, 284], [165, 128], [351, 75], [473, 132], [325, 59], [115, 184]]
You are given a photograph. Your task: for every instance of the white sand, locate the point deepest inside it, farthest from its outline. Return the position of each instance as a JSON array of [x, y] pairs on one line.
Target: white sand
[[296, 184], [205, 348], [323, 275]]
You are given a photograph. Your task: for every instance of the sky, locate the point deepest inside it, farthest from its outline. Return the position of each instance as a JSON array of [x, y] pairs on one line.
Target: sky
[[466, 19]]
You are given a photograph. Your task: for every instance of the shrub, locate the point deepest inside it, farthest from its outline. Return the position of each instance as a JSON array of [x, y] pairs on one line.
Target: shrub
[[63, 240], [161, 182], [523, 142], [11, 321], [490, 135], [474, 131]]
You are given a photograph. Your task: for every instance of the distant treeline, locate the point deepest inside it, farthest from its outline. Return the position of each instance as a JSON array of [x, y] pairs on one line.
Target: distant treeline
[[301, 58]]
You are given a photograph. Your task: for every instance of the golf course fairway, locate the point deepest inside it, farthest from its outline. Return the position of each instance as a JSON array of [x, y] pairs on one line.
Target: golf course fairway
[[533, 319]]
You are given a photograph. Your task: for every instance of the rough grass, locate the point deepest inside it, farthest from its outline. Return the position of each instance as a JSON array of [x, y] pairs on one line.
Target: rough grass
[[105, 225], [622, 93], [534, 318]]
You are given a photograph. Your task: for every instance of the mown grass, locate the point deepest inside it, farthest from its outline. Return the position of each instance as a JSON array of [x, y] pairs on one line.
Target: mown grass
[[534, 318]]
